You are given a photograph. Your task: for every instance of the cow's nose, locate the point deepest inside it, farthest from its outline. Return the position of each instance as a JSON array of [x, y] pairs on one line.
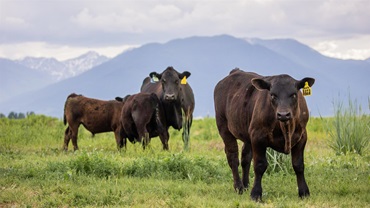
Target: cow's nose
[[283, 116], [170, 97]]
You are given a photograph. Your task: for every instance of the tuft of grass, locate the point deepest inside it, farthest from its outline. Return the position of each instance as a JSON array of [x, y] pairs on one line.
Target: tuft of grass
[[278, 162], [349, 130]]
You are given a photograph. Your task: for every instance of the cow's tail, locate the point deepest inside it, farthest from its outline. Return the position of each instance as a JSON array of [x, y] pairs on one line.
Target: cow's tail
[[65, 106]]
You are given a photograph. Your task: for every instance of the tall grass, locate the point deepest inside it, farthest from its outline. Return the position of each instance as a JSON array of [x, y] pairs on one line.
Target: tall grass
[[349, 130]]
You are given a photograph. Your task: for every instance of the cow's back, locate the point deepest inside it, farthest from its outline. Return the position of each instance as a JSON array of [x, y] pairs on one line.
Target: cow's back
[[96, 115], [235, 96], [149, 87]]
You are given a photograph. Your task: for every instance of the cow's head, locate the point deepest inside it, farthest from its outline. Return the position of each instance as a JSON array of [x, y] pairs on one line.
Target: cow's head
[[170, 80], [283, 91]]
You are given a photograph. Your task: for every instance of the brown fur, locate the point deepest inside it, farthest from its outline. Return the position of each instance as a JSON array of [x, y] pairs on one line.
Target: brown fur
[[262, 112], [97, 116]]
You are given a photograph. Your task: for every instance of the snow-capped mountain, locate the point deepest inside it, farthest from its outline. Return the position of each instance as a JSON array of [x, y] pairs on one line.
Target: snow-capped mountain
[[83, 63], [60, 70]]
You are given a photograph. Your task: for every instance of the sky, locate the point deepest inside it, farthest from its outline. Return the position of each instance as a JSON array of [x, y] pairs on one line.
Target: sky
[[65, 29]]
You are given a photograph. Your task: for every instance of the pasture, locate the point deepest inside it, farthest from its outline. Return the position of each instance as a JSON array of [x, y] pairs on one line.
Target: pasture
[[36, 172]]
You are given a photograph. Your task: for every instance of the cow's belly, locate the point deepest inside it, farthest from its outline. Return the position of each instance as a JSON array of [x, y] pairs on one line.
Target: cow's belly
[[97, 127]]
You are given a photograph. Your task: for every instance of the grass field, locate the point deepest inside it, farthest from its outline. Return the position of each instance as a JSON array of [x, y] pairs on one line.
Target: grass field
[[35, 172]]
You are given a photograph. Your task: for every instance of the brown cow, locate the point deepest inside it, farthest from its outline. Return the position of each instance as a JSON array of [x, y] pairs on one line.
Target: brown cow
[[142, 118], [262, 112], [97, 116]]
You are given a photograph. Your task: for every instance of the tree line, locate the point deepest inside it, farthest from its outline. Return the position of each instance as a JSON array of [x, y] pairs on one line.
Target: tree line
[[14, 115]]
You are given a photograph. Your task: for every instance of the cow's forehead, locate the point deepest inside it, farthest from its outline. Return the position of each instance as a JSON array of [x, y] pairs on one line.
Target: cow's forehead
[[170, 72], [283, 83]]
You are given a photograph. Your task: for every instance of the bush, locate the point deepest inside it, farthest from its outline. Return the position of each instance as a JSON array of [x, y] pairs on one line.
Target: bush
[[349, 131]]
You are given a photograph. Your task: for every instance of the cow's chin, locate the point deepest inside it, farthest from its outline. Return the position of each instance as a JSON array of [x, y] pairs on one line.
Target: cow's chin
[[284, 122]]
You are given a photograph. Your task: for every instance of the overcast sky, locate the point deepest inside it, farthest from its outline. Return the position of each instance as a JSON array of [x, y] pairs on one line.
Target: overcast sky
[[67, 28]]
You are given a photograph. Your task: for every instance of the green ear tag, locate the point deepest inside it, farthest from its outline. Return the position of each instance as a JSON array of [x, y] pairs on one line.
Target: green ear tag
[[306, 89], [183, 81], [154, 79]]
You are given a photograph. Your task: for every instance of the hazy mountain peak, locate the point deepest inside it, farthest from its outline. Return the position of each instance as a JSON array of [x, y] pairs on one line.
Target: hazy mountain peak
[[64, 69]]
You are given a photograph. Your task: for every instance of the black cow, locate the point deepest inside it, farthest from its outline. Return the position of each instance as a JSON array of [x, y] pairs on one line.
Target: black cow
[[262, 112], [142, 118], [97, 116], [175, 97]]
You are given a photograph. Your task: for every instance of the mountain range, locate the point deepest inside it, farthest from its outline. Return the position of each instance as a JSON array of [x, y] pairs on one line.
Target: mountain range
[[209, 59], [60, 70], [31, 73]]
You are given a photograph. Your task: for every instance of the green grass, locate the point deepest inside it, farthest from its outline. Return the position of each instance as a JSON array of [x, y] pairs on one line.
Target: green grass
[[35, 172], [349, 130]]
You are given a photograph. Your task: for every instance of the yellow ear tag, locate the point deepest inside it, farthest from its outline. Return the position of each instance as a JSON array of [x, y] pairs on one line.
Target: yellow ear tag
[[183, 81], [306, 89]]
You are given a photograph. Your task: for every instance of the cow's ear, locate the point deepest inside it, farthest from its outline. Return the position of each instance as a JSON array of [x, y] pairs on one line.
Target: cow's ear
[[261, 84], [119, 99], [152, 75], [301, 83], [185, 73]]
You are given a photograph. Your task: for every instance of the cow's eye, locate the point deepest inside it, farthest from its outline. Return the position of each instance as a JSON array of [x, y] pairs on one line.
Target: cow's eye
[[294, 96], [177, 82], [273, 97]]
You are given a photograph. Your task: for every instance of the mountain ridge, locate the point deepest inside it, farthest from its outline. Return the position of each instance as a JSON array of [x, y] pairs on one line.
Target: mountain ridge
[[209, 59], [60, 70]]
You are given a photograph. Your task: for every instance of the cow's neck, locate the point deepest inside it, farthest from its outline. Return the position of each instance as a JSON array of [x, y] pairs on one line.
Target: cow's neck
[[173, 114], [288, 130]]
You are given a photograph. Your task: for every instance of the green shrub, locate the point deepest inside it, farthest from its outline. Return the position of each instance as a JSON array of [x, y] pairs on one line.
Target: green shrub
[[349, 130]]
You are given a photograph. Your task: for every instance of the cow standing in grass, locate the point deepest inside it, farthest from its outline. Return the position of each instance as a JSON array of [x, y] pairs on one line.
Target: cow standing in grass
[[176, 96], [97, 116], [142, 118], [262, 112]]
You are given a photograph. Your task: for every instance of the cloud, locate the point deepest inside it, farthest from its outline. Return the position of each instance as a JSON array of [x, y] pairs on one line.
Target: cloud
[[60, 52], [85, 23]]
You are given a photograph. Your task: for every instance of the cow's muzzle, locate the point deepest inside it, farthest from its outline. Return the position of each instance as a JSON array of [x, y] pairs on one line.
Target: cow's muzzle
[[170, 97], [284, 116]]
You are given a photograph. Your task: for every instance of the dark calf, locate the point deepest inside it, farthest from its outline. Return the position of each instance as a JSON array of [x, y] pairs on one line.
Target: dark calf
[[142, 118]]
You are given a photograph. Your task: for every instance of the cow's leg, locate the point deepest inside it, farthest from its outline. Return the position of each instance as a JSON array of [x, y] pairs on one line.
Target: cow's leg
[[118, 133], [260, 166], [74, 133], [246, 163], [144, 135], [164, 136], [67, 138], [231, 151], [185, 133], [298, 166]]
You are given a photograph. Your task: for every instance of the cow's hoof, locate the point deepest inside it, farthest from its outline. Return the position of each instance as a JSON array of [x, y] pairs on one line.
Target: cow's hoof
[[239, 189], [256, 196], [304, 194]]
